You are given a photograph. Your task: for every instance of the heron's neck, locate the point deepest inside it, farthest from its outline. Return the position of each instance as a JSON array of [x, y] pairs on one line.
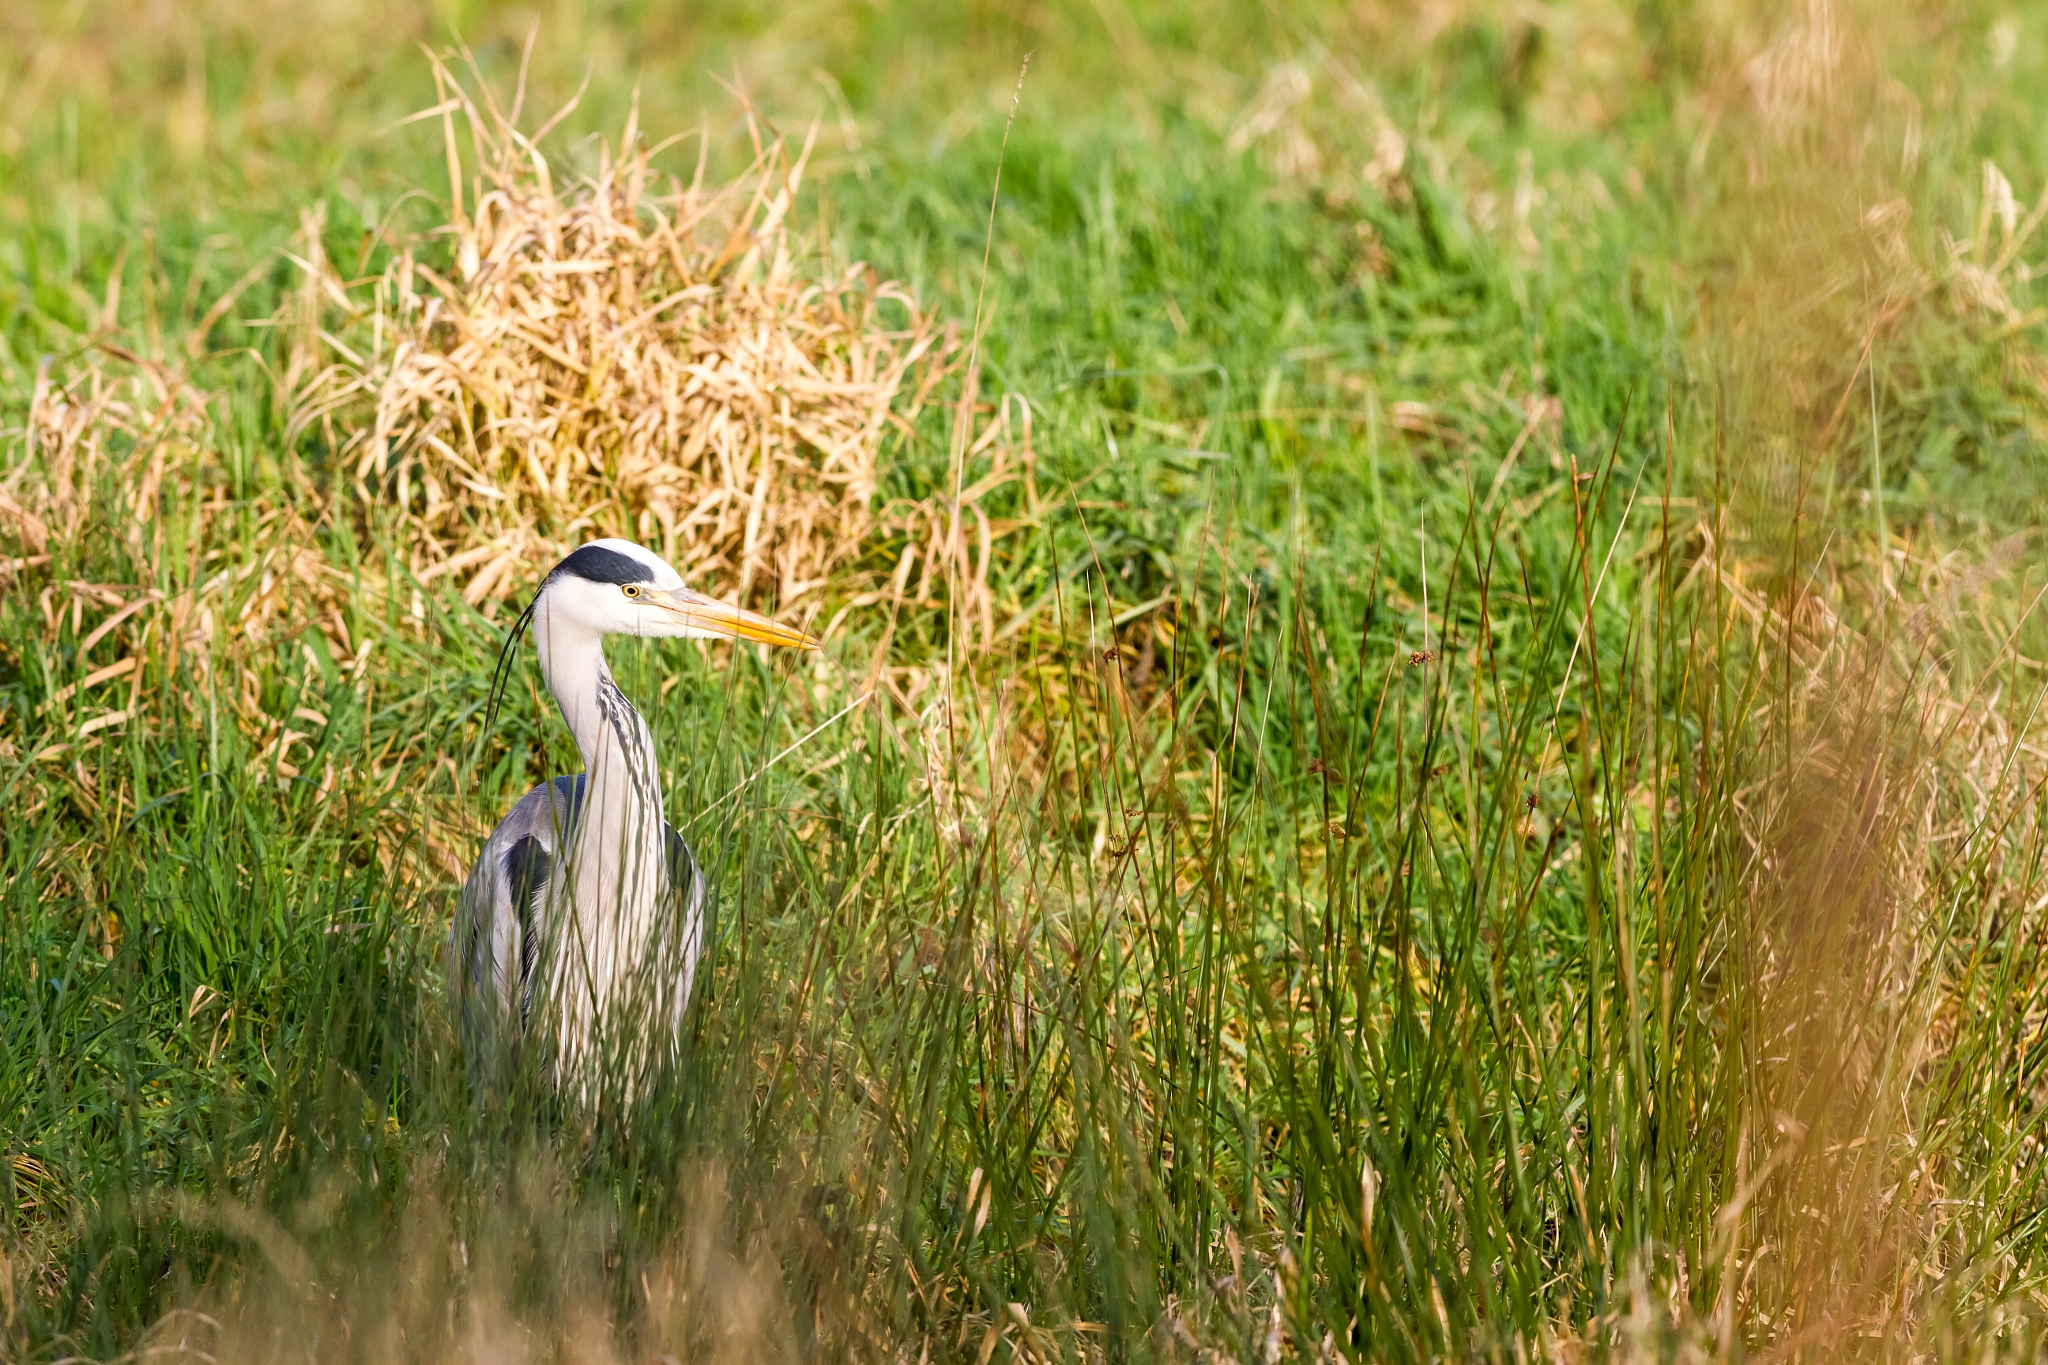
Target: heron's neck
[[618, 750], [609, 906]]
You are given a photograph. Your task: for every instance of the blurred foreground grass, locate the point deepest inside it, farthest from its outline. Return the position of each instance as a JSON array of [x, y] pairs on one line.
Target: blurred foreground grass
[[1485, 801]]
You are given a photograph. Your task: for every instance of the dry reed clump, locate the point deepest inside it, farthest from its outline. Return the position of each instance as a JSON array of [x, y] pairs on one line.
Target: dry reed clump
[[625, 354]]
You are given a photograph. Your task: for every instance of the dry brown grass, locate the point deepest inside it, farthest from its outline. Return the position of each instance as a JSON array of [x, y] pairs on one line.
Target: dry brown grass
[[124, 446], [617, 353], [115, 413]]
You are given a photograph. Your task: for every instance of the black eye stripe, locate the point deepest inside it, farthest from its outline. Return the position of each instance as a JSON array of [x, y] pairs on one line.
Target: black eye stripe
[[597, 564]]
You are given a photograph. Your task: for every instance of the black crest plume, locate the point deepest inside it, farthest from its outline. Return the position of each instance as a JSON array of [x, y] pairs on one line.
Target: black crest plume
[[508, 655]]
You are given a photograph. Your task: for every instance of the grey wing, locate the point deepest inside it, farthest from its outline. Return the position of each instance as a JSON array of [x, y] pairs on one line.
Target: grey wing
[[494, 943], [686, 897]]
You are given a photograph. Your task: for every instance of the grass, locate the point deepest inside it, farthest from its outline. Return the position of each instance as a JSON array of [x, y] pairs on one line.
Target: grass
[[1482, 800]]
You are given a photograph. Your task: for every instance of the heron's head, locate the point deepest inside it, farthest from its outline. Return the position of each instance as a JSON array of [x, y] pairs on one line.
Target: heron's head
[[614, 587]]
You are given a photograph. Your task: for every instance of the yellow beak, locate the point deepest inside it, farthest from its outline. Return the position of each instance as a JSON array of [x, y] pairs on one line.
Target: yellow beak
[[722, 618]]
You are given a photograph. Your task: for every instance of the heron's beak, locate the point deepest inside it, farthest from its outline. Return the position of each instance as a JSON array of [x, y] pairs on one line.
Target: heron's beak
[[722, 618]]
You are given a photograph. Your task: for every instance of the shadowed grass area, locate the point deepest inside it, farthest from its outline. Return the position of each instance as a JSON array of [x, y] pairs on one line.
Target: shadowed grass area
[[1463, 782]]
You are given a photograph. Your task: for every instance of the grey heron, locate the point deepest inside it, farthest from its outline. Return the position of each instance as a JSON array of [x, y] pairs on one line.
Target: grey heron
[[580, 926]]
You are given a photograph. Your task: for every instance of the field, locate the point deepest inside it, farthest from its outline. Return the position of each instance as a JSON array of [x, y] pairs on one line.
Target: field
[[1428, 742]]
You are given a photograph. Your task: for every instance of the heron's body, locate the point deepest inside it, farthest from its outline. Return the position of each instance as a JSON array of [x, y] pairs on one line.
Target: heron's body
[[581, 925]]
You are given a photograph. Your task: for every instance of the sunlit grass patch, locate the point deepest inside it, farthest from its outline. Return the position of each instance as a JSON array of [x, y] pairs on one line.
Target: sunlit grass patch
[[1451, 784]]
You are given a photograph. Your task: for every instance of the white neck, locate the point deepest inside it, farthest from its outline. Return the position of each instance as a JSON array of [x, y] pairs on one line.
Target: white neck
[[618, 856], [607, 727], [572, 662]]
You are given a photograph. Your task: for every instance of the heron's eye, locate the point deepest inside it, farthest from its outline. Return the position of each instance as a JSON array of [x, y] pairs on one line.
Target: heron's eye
[[631, 589]]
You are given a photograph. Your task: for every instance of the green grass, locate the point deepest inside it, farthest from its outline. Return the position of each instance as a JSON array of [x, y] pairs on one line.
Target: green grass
[[1638, 952]]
